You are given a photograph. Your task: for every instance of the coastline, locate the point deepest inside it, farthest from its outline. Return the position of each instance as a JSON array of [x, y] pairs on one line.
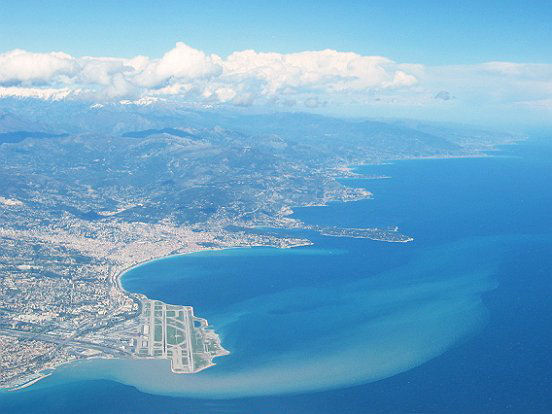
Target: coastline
[[118, 271], [29, 382], [117, 275], [116, 279]]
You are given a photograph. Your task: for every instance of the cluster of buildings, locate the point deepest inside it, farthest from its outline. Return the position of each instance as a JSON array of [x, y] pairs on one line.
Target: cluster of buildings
[[60, 294]]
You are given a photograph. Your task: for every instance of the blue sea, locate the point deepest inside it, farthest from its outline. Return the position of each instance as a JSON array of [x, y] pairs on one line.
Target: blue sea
[[457, 321]]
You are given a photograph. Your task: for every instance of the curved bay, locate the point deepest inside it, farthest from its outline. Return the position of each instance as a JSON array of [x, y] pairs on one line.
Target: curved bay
[[339, 329]]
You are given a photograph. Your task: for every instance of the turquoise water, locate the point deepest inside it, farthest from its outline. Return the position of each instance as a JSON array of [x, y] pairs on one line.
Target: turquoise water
[[456, 321]]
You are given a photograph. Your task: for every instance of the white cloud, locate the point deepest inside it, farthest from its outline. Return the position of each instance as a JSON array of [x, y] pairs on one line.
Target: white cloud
[[184, 71], [20, 66], [100, 71], [326, 70], [310, 78], [181, 63]]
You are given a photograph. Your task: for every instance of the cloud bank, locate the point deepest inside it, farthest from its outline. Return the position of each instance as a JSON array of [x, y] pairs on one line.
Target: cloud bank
[[311, 79], [186, 72]]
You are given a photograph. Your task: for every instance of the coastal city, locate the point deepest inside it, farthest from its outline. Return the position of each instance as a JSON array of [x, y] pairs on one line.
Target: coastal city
[[61, 299]]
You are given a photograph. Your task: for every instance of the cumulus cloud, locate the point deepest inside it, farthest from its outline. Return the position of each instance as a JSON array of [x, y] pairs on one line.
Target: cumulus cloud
[[22, 67], [181, 64], [310, 79], [241, 78], [326, 70]]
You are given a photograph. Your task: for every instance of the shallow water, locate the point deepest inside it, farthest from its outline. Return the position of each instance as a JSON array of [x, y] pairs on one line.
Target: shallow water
[[343, 327]]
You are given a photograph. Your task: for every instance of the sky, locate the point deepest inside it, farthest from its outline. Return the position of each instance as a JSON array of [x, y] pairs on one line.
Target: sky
[[475, 60]]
